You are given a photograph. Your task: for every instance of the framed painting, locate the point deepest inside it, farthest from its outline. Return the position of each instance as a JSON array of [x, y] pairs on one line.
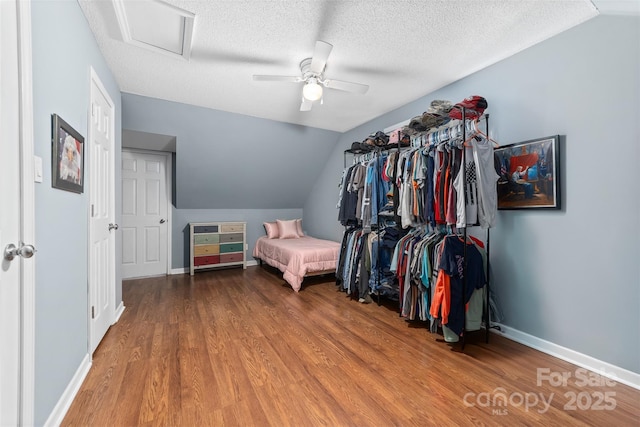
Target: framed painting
[[529, 174], [67, 156]]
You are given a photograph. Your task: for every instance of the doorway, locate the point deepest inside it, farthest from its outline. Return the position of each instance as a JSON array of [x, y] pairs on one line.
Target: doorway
[[145, 213]]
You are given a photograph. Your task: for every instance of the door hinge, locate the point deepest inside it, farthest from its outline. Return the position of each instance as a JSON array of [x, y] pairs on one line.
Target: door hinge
[[93, 312], [92, 206]]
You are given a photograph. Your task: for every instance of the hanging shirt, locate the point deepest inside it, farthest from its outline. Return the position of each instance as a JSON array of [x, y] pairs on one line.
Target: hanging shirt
[[487, 178], [456, 159]]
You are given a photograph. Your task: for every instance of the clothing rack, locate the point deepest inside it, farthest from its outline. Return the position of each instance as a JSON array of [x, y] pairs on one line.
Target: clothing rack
[[458, 130]]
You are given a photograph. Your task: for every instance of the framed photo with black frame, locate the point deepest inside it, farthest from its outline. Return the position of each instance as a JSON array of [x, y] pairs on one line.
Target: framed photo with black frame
[[529, 174], [67, 156]]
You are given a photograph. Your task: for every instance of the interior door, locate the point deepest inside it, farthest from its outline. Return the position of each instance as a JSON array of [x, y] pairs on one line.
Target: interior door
[[144, 214], [10, 209], [17, 216], [102, 227]]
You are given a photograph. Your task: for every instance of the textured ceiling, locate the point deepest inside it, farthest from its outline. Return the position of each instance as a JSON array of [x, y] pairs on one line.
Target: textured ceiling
[[402, 49]]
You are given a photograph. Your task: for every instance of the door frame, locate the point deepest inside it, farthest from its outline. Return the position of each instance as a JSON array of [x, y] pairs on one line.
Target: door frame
[[27, 202], [168, 188], [95, 79]]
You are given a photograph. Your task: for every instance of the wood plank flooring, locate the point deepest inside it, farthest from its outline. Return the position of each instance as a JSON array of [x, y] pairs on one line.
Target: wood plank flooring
[[240, 348]]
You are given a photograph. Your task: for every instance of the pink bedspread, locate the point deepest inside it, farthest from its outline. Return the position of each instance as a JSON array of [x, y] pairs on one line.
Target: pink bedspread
[[297, 257]]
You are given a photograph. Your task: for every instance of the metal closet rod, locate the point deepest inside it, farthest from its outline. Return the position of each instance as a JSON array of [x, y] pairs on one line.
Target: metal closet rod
[[448, 131]]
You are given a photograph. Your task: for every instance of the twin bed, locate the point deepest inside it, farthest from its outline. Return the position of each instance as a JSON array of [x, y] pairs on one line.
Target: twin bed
[[298, 257]]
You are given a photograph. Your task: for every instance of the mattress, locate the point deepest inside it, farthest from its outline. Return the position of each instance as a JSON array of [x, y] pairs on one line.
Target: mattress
[[297, 258]]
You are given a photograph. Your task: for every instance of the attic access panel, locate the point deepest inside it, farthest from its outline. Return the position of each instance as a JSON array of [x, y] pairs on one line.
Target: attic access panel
[[156, 26]]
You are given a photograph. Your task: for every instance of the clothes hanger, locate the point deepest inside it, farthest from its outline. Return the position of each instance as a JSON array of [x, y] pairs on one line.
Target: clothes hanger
[[441, 146], [477, 132]]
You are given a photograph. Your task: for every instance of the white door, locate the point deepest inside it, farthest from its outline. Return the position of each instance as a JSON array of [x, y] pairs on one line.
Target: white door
[[144, 214], [16, 216], [9, 219], [102, 227]]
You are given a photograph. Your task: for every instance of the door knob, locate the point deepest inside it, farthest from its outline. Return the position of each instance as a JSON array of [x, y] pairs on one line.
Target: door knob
[[113, 227], [25, 251], [162, 221]]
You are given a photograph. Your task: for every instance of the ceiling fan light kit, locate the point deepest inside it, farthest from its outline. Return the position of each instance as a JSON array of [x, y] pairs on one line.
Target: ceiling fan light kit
[[312, 74], [312, 90]]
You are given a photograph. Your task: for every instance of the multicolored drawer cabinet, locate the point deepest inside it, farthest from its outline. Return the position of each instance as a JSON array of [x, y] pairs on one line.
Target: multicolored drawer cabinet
[[217, 244]]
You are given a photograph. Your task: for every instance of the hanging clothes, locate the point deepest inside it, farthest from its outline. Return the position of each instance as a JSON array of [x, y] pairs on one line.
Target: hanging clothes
[[408, 199], [449, 294]]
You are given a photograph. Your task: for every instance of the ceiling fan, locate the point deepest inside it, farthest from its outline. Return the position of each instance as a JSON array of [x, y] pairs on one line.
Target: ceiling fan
[[312, 74]]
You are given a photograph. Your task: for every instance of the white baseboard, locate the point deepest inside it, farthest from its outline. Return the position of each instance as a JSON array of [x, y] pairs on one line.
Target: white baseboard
[[605, 369], [61, 408], [119, 312], [186, 269]]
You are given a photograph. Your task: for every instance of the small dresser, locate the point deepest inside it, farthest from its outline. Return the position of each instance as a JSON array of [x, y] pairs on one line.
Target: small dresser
[[217, 244]]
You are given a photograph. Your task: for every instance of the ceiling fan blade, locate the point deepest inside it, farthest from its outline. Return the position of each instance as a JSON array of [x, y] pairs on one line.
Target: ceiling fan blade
[[320, 56], [305, 105], [261, 78], [346, 86]]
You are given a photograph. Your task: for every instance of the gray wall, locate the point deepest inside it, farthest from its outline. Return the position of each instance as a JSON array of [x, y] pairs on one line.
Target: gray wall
[[63, 51], [571, 277], [231, 167], [231, 161]]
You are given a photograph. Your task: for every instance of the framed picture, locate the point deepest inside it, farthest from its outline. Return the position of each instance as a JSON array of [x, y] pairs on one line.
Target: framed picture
[[67, 156], [529, 174]]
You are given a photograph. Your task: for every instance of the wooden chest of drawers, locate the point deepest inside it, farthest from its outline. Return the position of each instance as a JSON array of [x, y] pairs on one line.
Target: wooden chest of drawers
[[217, 244]]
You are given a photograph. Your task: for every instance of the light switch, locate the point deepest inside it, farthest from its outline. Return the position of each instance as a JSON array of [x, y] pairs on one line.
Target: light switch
[[37, 168]]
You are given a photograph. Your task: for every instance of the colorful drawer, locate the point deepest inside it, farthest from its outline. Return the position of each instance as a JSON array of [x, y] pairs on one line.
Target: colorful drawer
[[231, 237], [206, 260], [206, 229], [206, 239], [217, 244], [206, 250], [230, 247], [232, 228], [226, 258]]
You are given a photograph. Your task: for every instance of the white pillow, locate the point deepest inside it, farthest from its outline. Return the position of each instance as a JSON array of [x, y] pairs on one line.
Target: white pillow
[[287, 229]]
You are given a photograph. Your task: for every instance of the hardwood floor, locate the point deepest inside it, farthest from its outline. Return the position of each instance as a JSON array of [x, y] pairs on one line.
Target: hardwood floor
[[240, 348]]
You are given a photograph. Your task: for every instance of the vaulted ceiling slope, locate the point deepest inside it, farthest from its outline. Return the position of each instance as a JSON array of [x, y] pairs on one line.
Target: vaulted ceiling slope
[[402, 49]]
